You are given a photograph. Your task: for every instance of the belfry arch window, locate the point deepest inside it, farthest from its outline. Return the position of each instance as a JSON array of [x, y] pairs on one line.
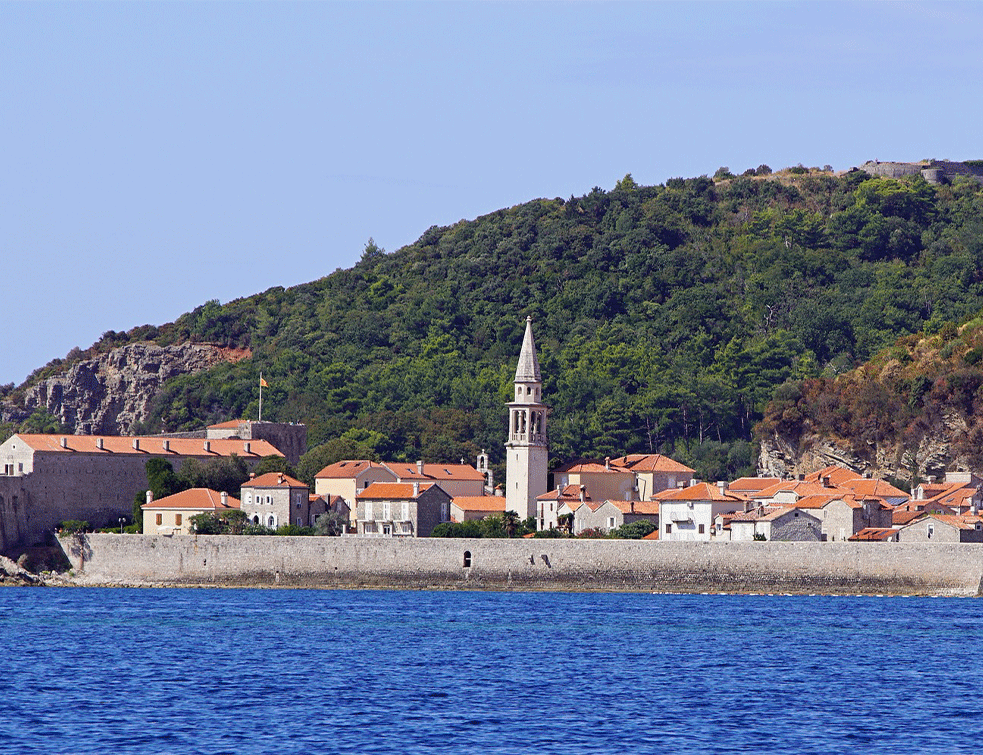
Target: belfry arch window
[[467, 559]]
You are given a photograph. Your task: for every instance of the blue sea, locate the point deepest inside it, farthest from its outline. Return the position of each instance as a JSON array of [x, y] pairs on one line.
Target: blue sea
[[307, 671]]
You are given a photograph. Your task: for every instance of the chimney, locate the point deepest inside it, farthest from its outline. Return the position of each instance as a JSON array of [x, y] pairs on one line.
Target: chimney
[[607, 463], [99, 443], [868, 474], [208, 447], [416, 487], [631, 507], [419, 467], [499, 492], [252, 475], [245, 447], [801, 477], [681, 484], [225, 499], [722, 486], [279, 478], [931, 479], [748, 505], [136, 444], [583, 493], [150, 496], [167, 445], [64, 442], [826, 482]]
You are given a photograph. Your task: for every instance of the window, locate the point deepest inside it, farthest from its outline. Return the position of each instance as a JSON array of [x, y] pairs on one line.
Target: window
[[467, 559], [160, 519], [668, 529], [702, 529], [300, 521], [271, 522], [931, 531], [177, 519], [610, 522]]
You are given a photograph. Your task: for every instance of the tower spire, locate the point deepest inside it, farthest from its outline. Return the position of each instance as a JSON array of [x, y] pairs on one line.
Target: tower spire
[[527, 371]]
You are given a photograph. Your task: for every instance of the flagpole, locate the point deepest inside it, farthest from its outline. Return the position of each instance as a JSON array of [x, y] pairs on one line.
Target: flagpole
[[261, 397]]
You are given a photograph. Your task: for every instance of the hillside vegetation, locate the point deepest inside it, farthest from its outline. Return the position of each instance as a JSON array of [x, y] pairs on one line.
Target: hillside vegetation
[[666, 317]]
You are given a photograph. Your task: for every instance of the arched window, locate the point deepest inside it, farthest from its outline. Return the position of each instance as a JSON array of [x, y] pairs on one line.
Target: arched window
[[270, 522], [467, 559], [256, 519]]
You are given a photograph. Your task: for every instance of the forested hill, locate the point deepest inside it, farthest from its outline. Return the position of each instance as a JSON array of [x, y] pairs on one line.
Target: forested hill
[[666, 316]]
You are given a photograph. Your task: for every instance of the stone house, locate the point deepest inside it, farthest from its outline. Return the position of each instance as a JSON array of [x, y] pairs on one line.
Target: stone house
[[51, 478], [275, 499], [654, 473], [401, 509], [350, 477], [469, 508], [172, 514], [689, 513], [456, 479], [773, 523], [550, 506], [609, 515], [942, 528], [602, 479]]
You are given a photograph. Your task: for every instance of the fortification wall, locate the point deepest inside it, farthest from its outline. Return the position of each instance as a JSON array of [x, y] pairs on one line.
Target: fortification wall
[[535, 564]]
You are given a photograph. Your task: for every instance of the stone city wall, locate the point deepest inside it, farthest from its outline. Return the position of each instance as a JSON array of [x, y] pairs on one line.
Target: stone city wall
[[533, 564]]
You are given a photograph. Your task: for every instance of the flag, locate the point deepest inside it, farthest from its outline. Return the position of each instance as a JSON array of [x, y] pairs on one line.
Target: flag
[[263, 383]]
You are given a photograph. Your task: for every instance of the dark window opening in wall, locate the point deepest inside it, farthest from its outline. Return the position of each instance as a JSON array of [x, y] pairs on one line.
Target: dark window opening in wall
[[668, 529], [160, 519], [467, 559], [701, 529], [177, 519]]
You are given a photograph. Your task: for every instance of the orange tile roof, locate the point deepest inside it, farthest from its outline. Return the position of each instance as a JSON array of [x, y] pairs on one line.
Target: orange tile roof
[[815, 501], [202, 499], [751, 484], [569, 493], [650, 463], [873, 534], [879, 488], [653, 535], [153, 445], [232, 423], [800, 488], [274, 480], [587, 466], [703, 491], [393, 491], [347, 468], [646, 508], [490, 503], [836, 475], [435, 472]]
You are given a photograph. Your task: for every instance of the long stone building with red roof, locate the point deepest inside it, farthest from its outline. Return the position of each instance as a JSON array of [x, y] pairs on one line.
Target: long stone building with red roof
[[48, 479]]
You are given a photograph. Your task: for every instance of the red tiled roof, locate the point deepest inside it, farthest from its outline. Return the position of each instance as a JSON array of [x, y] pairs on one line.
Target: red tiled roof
[[751, 484], [650, 463], [703, 491], [147, 445], [567, 494], [347, 468], [274, 480], [880, 488], [587, 466], [202, 499], [800, 487], [836, 474], [646, 508], [489, 503], [436, 472], [873, 533], [232, 423], [393, 491], [653, 535]]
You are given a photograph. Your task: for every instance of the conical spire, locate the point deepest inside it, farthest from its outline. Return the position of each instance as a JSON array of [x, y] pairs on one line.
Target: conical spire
[[528, 369]]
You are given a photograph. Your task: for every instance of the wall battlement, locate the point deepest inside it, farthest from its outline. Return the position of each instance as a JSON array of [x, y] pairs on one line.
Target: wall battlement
[[528, 564]]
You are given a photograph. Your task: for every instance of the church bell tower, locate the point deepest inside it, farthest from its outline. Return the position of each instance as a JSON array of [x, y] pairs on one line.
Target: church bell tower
[[526, 449]]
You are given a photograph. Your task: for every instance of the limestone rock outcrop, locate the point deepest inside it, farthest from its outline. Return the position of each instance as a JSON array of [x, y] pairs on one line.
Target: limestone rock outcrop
[[936, 452], [108, 394]]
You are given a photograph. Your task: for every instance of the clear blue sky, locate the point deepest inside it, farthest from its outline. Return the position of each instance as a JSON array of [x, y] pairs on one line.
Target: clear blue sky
[[157, 155]]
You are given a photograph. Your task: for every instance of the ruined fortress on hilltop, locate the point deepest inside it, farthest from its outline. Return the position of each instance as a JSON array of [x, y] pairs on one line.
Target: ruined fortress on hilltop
[[933, 171]]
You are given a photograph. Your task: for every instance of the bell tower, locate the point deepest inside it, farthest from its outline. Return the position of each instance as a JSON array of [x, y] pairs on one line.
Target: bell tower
[[526, 449]]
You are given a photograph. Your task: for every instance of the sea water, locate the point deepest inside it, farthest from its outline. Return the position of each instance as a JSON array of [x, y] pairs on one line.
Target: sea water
[[309, 671]]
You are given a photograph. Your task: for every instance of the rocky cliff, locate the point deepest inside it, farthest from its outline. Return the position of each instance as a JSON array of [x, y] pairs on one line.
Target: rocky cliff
[[933, 454], [107, 395]]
